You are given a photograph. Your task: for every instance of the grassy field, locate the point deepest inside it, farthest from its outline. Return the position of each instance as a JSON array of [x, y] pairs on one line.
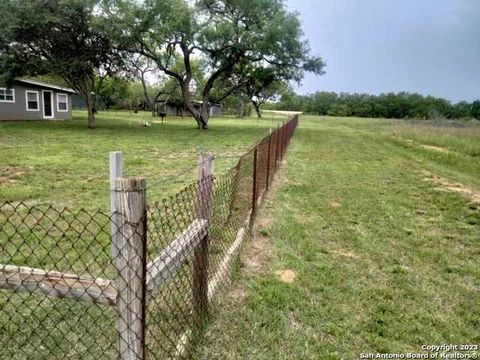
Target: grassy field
[[369, 244], [65, 164]]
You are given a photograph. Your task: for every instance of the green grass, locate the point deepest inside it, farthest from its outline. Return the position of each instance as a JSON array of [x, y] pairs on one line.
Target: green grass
[[385, 259], [65, 164]]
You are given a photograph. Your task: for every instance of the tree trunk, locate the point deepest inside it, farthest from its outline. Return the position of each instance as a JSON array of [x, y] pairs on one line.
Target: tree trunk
[[202, 119], [90, 109], [257, 109], [241, 109], [200, 115], [195, 113], [149, 102], [205, 113]]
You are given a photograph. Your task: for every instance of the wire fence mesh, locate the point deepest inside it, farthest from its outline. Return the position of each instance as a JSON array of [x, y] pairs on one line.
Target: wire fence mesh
[[136, 283]]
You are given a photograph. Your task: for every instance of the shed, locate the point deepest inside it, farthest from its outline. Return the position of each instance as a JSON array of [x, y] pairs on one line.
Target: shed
[[177, 108], [34, 100], [216, 109]]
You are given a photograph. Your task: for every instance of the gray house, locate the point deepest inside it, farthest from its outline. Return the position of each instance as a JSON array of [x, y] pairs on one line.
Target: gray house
[[34, 100]]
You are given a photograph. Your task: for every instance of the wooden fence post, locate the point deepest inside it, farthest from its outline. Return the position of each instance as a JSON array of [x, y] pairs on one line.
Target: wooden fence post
[[200, 264], [116, 171], [130, 242]]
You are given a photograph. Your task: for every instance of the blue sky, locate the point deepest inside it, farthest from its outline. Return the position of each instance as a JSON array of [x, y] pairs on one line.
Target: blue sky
[[373, 46]]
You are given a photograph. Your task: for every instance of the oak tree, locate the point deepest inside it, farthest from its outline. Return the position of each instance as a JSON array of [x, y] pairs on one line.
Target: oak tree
[[220, 34], [68, 38]]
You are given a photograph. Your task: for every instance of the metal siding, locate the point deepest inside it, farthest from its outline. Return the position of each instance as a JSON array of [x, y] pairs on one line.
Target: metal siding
[[60, 115], [216, 110], [18, 109], [171, 110]]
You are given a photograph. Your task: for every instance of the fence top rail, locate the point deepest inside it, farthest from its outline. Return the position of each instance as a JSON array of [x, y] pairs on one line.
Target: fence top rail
[[57, 284], [165, 265]]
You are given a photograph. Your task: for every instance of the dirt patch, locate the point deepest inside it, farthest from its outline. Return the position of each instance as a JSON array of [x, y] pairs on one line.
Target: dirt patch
[[263, 221], [334, 204], [257, 249], [293, 321], [237, 292], [253, 259], [347, 254], [440, 149], [470, 194], [436, 148], [304, 219], [287, 276], [12, 174], [442, 184]]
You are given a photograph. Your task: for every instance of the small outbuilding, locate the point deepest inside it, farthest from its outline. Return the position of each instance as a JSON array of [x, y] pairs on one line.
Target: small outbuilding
[[177, 108], [34, 100]]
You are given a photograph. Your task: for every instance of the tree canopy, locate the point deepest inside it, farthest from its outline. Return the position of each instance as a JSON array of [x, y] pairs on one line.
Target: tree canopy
[[227, 37], [202, 50], [67, 38], [388, 105]]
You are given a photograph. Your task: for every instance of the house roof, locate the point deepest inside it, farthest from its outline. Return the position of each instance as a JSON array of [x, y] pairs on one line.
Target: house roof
[[180, 102], [198, 102], [45, 85]]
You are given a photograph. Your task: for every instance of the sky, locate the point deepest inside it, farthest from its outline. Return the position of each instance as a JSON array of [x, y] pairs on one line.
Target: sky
[[431, 47]]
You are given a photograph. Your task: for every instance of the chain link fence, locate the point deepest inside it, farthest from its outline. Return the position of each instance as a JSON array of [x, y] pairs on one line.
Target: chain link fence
[[136, 283]]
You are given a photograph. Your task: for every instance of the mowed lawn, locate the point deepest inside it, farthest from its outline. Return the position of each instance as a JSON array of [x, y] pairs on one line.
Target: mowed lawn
[[370, 243], [65, 164]]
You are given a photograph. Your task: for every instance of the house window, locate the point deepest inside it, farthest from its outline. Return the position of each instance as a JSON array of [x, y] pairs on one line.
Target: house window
[[7, 95], [32, 100], [62, 102]]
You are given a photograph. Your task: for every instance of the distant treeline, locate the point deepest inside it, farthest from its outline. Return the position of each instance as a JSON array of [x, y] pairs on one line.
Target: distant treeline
[[391, 105]]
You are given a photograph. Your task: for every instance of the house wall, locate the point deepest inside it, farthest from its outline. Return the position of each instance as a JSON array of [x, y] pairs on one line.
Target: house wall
[[175, 110], [18, 109], [216, 110], [170, 110]]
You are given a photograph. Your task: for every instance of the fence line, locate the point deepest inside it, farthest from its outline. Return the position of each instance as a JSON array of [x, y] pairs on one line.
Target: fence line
[[136, 283]]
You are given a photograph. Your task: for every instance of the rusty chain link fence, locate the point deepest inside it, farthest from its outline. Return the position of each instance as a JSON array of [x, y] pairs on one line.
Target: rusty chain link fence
[[135, 283]]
